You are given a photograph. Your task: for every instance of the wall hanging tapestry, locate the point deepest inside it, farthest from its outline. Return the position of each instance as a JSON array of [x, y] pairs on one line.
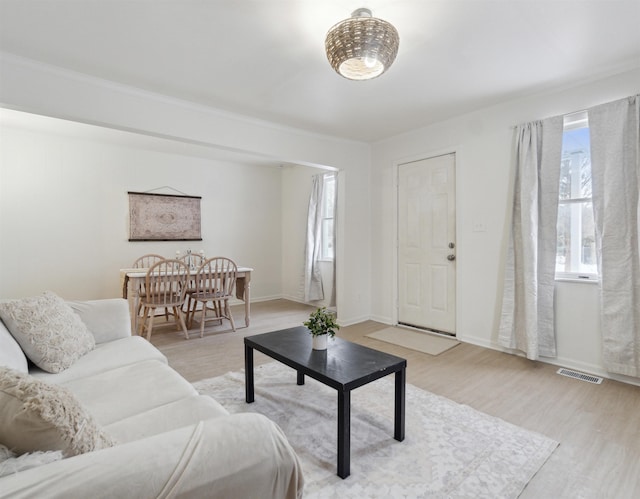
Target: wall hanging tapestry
[[164, 217]]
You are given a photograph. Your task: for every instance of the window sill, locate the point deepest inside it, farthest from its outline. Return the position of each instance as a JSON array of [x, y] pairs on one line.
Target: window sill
[[576, 279]]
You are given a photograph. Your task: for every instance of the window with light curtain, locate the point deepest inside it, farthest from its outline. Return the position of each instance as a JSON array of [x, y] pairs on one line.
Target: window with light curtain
[[576, 249], [576, 211], [320, 238], [328, 214]]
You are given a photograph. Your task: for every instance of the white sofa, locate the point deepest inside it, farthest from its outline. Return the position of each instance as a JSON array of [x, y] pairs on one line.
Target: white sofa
[[172, 442]]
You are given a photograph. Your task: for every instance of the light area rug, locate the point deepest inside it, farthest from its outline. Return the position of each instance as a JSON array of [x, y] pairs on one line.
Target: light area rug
[[414, 340], [450, 450]]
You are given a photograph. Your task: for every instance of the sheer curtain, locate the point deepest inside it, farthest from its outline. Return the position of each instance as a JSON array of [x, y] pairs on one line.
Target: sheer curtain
[[527, 319], [615, 165], [313, 289]]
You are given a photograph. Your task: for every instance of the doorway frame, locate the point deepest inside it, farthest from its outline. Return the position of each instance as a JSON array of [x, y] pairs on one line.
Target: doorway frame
[[455, 150]]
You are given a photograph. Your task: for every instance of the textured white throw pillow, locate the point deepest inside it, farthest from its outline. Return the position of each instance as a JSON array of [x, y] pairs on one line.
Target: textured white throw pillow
[[50, 333], [39, 416]]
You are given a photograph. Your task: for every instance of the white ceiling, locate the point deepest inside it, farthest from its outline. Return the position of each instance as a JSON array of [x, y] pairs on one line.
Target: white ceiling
[[265, 58]]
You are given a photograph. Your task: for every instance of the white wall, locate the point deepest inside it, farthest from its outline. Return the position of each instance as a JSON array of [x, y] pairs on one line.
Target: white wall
[[483, 143], [64, 213], [41, 89]]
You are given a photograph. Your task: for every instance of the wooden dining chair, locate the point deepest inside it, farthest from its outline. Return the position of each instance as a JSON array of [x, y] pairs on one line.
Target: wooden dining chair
[[144, 262], [215, 284], [193, 260], [165, 287]]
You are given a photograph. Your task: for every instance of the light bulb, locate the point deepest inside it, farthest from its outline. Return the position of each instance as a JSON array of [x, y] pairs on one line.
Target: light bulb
[[370, 62]]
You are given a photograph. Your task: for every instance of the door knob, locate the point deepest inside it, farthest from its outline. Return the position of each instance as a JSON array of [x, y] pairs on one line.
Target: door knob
[[451, 258]]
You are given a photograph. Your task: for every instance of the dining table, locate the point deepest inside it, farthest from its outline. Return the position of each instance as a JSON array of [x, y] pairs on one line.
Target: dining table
[[131, 280]]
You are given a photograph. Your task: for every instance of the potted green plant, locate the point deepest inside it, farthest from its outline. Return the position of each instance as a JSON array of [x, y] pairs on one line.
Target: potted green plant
[[322, 325]]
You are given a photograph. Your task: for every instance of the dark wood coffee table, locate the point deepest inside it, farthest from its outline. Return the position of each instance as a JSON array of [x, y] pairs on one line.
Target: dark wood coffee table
[[344, 366]]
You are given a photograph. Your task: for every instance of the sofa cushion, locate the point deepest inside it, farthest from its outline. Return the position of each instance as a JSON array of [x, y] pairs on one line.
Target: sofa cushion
[[39, 416], [123, 392], [167, 417], [105, 357], [107, 319], [50, 333], [11, 355]]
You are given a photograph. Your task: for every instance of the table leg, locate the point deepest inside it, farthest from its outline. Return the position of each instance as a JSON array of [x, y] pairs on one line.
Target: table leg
[[398, 431], [247, 300], [344, 433], [133, 299], [300, 378], [248, 374]]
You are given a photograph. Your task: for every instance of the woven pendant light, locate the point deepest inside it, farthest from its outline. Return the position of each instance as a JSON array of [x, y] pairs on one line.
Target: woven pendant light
[[362, 47]]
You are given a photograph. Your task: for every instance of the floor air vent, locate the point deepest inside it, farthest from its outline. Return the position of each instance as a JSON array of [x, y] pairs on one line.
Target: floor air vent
[[581, 376]]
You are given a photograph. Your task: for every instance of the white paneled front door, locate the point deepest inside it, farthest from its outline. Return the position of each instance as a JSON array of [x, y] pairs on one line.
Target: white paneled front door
[[426, 244]]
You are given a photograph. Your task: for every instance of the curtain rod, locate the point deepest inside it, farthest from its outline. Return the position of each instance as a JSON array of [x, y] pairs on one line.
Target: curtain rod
[[513, 127], [564, 115]]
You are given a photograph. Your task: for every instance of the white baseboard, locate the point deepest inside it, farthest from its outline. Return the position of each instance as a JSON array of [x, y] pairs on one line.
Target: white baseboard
[[295, 299], [584, 367], [265, 298], [239, 302], [381, 319], [350, 321]]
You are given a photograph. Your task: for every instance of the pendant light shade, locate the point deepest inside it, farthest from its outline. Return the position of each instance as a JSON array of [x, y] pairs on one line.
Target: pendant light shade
[[362, 47]]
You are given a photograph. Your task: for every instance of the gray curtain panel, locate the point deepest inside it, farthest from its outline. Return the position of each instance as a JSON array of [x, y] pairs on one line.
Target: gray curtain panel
[[527, 318], [615, 164], [313, 289]]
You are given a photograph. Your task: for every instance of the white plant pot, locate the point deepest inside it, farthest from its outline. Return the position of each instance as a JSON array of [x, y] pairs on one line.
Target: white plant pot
[[320, 342]]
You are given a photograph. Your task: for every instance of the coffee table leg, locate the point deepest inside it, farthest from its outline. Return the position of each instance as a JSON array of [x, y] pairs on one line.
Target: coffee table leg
[[398, 431], [248, 374], [300, 379], [344, 434]]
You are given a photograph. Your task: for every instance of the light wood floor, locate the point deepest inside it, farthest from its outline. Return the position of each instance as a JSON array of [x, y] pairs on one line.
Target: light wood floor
[[598, 426]]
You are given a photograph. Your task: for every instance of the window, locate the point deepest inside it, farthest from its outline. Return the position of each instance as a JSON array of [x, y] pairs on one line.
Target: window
[[328, 214], [576, 251]]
